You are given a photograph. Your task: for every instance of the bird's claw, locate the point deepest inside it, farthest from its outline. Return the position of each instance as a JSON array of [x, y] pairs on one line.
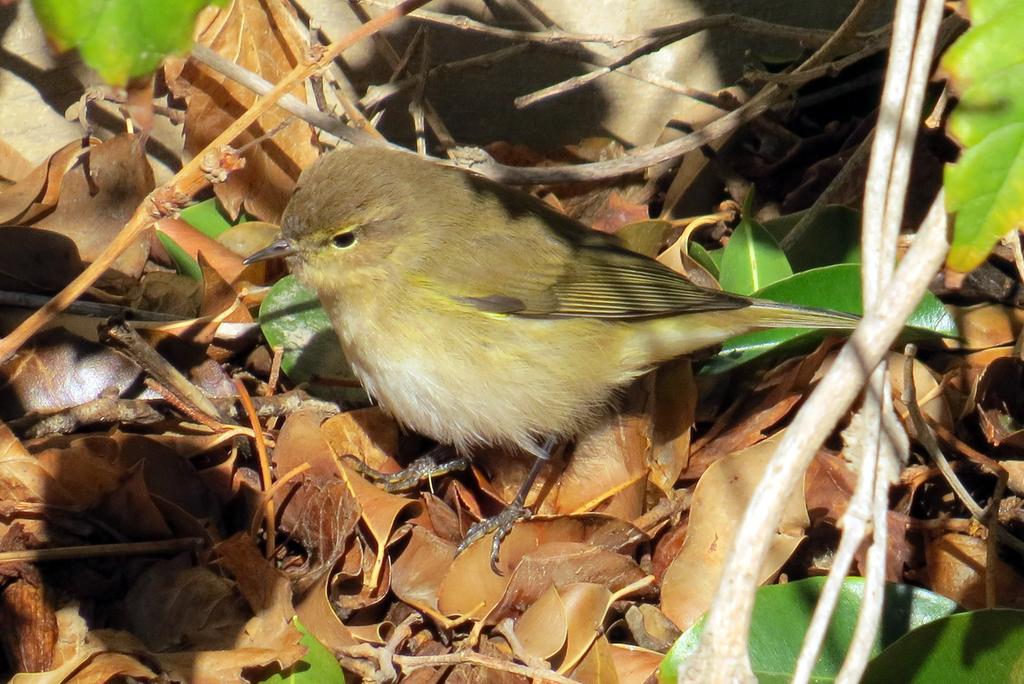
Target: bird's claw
[[422, 469], [500, 525]]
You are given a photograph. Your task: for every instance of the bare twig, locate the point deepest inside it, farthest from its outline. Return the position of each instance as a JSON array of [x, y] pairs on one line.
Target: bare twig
[[101, 550], [123, 338], [378, 94]]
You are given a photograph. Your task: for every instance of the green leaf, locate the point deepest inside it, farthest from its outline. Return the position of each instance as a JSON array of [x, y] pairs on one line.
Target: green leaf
[[986, 190], [318, 666], [987, 47], [831, 287], [833, 237], [980, 647], [752, 260], [292, 319], [208, 218], [121, 39], [709, 259], [989, 105], [782, 615], [183, 261]]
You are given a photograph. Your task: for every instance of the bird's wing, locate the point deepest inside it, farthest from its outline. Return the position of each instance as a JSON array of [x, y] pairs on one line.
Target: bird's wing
[[600, 280]]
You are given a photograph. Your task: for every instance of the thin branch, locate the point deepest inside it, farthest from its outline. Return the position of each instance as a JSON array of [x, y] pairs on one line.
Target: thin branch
[[256, 83], [101, 550]]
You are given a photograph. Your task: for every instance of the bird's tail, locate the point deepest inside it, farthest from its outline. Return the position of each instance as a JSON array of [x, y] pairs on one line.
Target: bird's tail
[[779, 315]]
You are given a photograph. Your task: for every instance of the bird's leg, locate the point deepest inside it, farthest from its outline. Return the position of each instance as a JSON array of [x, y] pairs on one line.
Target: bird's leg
[[502, 523], [427, 466]]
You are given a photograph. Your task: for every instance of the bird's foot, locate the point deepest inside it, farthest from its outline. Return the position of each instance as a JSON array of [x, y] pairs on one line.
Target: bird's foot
[[500, 525], [421, 470]]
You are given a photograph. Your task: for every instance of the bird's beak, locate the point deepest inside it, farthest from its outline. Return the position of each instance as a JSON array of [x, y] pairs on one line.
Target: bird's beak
[[277, 248]]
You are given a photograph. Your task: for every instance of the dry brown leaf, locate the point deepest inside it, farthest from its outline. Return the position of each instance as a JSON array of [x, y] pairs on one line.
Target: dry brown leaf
[[719, 503], [1001, 403], [986, 325], [675, 409], [58, 369], [586, 605], [316, 613], [369, 434], [956, 568], [608, 469], [225, 262], [37, 260], [36, 192], [561, 564], [29, 637], [173, 606], [926, 385], [544, 625], [635, 665], [380, 512], [598, 665], [98, 197], [261, 37], [417, 572]]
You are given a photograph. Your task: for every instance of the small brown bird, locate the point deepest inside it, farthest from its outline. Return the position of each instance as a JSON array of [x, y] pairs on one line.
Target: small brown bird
[[476, 314]]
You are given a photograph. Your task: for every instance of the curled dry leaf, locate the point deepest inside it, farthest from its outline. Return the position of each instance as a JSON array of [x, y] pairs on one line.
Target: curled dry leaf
[[261, 37], [369, 434], [36, 193], [1001, 404], [719, 503], [99, 195], [598, 665]]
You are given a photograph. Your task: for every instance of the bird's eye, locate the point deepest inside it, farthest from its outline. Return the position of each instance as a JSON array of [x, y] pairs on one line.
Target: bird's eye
[[344, 240]]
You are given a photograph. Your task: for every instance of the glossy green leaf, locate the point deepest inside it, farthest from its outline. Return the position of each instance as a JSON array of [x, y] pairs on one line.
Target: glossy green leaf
[[986, 191], [709, 259], [833, 237], [832, 287], [183, 261], [752, 260], [121, 39], [293, 320], [208, 218], [980, 647], [782, 614], [318, 666]]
